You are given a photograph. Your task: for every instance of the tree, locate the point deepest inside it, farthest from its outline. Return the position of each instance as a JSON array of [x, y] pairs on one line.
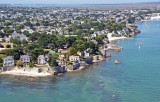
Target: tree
[[99, 40], [1, 34], [93, 48], [53, 60], [80, 45], [24, 41], [7, 52], [72, 51], [31, 64], [19, 63], [7, 23], [131, 20], [8, 31], [15, 41], [69, 63], [1, 62], [34, 36], [16, 52], [70, 40], [26, 33], [35, 53]]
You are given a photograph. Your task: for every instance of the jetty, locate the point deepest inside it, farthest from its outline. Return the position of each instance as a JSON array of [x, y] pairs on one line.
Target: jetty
[[114, 47]]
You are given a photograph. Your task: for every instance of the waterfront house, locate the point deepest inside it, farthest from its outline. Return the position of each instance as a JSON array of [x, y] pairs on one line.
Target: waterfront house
[[25, 58], [74, 58], [86, 54], [41, 59], [8, 61], [62, 60]]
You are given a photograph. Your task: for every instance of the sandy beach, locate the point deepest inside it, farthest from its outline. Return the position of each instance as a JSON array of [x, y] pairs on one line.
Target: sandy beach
[[117, 38], [110, 38], [31, 73]]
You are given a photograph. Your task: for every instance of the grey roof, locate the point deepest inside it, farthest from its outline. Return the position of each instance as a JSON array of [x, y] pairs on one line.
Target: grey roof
[[21, 36], [8, 58], [24, 57], [41, 57]]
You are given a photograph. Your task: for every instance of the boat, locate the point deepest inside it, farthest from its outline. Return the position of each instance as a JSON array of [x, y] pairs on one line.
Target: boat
[[116, 62]]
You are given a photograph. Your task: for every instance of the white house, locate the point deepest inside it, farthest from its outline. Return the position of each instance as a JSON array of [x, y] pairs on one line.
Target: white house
[[41, 59], [74, 58]]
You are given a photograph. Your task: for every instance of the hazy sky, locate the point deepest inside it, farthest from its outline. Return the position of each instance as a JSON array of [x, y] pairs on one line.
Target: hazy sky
[[71, 1]]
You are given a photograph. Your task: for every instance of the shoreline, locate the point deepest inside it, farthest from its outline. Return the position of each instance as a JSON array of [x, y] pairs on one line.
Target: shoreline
[[110, 38], [29, 73], [117, 38], [33, 72]]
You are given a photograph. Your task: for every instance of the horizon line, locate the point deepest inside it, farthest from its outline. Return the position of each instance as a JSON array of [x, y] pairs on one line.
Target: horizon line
[[153, 2]]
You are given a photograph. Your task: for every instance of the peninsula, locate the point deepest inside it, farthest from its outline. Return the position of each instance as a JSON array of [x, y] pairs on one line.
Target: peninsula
[[49, 41]]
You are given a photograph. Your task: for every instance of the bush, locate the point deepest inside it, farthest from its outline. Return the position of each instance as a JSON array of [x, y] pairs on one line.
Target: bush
[[69, 63], [31, 64], [1, 64], [19, 63]]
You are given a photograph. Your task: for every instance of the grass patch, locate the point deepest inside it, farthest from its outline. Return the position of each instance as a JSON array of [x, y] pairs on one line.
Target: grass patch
[[6, 43], [2, 55], [41, 66]]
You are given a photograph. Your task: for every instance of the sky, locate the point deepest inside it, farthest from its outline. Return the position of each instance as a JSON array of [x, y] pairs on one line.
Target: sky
[[71, 1]]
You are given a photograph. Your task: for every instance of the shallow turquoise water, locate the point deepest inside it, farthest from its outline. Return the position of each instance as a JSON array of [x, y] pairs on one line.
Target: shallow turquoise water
[[135, 79]]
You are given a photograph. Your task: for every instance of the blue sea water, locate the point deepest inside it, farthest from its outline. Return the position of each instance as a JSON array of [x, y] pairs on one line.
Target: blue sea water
[[135, 79]]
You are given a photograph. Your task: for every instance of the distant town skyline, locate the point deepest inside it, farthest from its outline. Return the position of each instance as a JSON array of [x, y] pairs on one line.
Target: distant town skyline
[[72, 1]]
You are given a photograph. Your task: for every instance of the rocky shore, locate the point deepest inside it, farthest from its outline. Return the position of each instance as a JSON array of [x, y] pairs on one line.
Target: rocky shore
[[30, 72], [44, 72]]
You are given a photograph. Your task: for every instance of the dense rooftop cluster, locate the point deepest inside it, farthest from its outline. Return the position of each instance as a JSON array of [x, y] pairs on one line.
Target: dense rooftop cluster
[[35, 35]]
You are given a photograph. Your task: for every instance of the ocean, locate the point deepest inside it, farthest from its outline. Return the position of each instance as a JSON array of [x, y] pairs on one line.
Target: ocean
[[135, 79]]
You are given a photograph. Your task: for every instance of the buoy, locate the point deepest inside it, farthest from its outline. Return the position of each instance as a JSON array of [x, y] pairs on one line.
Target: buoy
[[116, 62]]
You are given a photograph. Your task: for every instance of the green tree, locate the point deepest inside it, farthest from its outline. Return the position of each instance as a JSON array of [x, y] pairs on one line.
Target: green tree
[[15, 41], [99, 39], [1, 62], [35, 53], [31, 64], [72, 51], [53, 60], [26, 33], [19, 63], [8, 31]]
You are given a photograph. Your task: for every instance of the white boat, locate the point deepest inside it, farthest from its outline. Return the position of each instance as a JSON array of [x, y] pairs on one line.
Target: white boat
[[116, 62]]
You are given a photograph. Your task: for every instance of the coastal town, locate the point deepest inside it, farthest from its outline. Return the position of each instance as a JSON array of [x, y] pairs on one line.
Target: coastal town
[[50, 41]]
